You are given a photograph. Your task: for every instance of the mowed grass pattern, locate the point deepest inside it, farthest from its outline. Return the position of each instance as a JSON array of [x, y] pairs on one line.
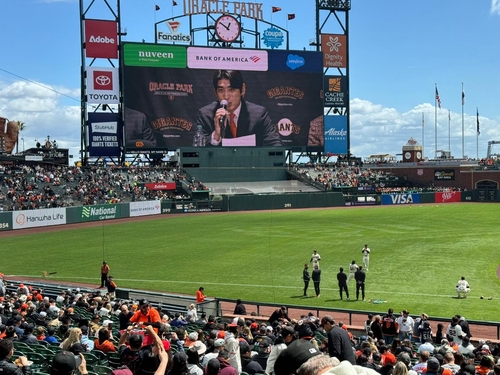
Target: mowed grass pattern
[[418, 254]]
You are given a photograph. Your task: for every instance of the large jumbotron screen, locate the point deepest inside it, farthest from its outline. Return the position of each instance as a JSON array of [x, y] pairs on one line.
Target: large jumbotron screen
[[165, 86]]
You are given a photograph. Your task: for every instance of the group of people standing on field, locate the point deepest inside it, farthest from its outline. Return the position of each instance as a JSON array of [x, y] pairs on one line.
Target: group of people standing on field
[[355, 272]]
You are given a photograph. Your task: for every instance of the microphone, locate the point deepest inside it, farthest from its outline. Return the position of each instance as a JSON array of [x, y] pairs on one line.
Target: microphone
[[222, 119]]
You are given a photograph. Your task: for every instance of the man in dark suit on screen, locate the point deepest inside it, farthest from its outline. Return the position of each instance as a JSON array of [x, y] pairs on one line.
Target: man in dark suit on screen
[[231, 116], [138, 133]]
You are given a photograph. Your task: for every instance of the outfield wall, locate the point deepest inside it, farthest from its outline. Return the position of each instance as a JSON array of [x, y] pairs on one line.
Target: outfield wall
[[73, 215]]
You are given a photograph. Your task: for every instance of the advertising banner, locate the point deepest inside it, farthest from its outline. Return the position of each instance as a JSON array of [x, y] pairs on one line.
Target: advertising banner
[[102, 85], [336, 135], [448, 196], [400, 198], [101, 212], [280, 98], [145, 208], [334, 48], [5, 221], [444, 175], [161, 186], [104, 134], [38, 218], [335, 88], [101, 39]]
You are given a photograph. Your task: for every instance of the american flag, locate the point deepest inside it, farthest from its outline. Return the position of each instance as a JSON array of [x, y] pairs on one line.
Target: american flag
[[438, 98]]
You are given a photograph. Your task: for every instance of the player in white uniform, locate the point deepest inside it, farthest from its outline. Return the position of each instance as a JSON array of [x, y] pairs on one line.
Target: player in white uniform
[[366, 256], [353, 267], [315, 258], [462, 288]]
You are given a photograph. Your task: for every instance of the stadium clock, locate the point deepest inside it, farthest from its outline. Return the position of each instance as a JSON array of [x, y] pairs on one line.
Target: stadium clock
[[227, 28], [419, 155]]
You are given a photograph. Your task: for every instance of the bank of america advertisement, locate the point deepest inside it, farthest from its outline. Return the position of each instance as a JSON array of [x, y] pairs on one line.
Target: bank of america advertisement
[[336, 135], [271, 97]]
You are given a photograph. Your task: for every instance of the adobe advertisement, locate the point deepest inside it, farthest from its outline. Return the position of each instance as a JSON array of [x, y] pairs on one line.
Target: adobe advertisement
[[169, 90], [101, 39]]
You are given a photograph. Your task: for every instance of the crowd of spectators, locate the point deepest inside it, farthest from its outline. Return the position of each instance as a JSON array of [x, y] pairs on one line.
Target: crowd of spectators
[[24, 187], [145, 339]]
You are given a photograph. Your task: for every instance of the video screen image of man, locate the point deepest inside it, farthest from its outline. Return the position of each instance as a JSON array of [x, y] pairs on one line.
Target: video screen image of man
[[230, 120], [138, 131]]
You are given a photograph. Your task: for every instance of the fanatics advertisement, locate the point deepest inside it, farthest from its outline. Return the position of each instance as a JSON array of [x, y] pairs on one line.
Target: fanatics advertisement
[[104, 136], [178, 96], [101, 39]]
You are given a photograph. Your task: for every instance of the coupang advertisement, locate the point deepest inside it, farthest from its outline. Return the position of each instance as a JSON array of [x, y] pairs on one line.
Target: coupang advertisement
[[167, 89]]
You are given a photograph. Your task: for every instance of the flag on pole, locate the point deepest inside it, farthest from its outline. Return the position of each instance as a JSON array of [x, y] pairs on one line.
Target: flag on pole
[[291, 16], [477, 121], [157, 7], [438, 98], [276, 9], [174, 3], [449, 115], [463, 97]]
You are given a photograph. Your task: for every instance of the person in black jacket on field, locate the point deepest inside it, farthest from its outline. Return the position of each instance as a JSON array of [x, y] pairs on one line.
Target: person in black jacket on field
[[306, 277], [240, 308]]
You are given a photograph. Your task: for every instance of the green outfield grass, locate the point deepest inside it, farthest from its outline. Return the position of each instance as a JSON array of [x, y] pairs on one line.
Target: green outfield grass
[[418, 254]]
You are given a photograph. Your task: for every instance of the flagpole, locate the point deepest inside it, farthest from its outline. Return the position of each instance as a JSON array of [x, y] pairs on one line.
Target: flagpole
[[449, 131], [423, 138], [477, 133], [463, 131], [435, 123]]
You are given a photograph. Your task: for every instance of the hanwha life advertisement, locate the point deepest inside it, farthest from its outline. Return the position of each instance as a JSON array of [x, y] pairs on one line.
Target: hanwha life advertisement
[[273, 98], [38, 218]]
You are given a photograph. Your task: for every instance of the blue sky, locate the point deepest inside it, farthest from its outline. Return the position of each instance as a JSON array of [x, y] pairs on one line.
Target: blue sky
[[398, 51]]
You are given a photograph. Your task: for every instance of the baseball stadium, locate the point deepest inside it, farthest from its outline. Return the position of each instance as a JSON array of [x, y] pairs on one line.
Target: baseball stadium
[[219, 169]]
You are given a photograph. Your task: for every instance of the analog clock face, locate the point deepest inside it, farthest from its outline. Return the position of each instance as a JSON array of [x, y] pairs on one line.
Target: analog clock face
[[419, 155], [227, 28], [407, 155]]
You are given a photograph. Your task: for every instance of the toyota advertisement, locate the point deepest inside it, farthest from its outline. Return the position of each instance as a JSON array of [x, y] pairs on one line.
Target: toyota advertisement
[[272, 97]]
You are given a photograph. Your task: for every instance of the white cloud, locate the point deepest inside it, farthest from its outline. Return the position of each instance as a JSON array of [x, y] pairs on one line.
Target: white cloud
[[495, 7]]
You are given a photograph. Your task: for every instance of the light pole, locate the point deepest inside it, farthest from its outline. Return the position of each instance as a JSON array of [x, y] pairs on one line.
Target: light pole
[[22, 139]]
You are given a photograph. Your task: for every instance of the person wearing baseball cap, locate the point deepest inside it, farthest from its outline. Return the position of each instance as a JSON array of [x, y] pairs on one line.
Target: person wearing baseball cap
[[218, 346], [65, 363], [147, 316]]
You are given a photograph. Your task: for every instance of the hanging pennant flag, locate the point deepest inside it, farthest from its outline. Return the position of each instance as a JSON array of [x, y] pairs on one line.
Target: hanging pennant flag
[[157, 7], [291, 16], [276, 9]]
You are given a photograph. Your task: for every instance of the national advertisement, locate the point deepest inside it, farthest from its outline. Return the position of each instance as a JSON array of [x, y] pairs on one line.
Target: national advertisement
[[406, 198], [169, 90], [100, 212], [38, 218], [145, 208]]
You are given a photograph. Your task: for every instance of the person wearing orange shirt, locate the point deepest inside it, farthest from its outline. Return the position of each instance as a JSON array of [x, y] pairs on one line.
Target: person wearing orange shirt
[[200, 297], [146, 316], [103, 342], [104, 274]]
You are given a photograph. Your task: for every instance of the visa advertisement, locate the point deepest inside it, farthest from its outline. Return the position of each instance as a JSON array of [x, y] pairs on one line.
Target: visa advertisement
[[405, 198], [268, 98]]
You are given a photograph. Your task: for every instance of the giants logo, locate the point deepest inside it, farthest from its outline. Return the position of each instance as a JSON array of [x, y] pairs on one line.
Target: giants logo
[[101, 39]]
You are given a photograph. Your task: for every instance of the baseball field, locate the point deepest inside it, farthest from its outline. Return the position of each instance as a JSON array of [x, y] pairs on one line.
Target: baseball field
[[418, 252]]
